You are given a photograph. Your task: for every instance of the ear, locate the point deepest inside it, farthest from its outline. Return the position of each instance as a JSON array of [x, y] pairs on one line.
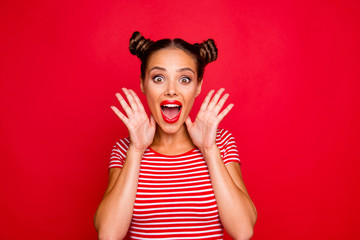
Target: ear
[[142, 86], [198, 88]]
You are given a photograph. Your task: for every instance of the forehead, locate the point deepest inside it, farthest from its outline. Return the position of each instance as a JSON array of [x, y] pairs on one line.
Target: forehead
[[171, 59]]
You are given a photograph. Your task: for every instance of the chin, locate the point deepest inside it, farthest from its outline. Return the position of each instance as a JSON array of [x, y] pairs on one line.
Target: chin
[[171, 128]]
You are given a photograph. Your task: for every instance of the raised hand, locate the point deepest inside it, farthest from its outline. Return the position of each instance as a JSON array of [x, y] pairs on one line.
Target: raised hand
[[203, 130], [141, 128]]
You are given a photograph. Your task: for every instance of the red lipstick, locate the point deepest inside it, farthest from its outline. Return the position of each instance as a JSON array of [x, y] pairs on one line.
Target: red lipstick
[[170, 110]]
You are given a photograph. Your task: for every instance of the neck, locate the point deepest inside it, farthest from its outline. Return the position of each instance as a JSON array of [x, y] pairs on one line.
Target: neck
[[176, 143]]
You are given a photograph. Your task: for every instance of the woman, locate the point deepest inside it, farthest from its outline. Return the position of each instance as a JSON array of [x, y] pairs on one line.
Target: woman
[[174, 178]]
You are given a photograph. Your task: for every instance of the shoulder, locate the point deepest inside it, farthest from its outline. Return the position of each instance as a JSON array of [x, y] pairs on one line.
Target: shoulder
[[223, 136], [227, 145], [122, 144], [118, 153]]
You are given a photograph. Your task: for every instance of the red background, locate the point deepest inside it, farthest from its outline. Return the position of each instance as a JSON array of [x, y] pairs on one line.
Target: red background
[[291, 68]]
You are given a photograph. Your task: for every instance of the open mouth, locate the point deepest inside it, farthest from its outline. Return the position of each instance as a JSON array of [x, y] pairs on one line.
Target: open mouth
[[170, 110]]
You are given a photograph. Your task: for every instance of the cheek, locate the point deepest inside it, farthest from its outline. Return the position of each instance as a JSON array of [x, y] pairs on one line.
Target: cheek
[[190, 99], [189, 90], [152, 99]]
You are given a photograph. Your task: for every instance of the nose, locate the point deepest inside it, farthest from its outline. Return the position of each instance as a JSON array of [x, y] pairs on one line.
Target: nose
[[171, 89]]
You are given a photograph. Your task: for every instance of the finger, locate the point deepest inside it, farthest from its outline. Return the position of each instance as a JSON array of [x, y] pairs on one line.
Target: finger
[[221, 103], [124, 104], [137, 100], [221, 116], [216, 98], [131, 99], [123, 118], [206, 100]]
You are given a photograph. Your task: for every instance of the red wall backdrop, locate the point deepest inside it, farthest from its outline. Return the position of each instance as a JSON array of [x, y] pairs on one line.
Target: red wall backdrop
[[291, 68]]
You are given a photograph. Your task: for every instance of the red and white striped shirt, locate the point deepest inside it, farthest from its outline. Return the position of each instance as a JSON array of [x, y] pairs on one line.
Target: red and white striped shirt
[[175, 198]]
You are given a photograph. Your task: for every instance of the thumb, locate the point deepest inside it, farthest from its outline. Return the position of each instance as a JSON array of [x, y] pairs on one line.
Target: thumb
[[152, 120], [188, 122]]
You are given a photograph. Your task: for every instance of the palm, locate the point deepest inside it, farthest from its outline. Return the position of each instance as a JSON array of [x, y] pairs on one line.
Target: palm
[[141, 128], [203, 130]]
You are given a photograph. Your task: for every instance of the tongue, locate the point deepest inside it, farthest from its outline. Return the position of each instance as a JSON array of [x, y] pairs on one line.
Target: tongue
[[170, 112]]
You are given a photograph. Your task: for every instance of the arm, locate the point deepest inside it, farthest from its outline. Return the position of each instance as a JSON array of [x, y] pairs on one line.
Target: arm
[[236, 210], [113, 216]]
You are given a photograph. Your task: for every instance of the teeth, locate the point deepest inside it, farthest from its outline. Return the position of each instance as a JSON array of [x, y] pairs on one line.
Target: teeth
[[171, 105]]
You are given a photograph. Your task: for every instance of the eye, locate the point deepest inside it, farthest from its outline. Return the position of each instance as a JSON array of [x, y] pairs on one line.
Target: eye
[[185, 79], [158, 78]]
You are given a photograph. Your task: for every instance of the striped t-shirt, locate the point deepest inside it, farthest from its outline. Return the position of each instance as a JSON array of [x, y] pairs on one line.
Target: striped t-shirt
[[175, 198]]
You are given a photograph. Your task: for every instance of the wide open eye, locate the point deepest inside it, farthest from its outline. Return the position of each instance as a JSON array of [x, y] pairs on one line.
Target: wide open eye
[[185, 79], [158, 78]]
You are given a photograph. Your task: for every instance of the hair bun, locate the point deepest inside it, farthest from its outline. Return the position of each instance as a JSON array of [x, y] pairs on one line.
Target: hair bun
[[208, 51], [138, 44]]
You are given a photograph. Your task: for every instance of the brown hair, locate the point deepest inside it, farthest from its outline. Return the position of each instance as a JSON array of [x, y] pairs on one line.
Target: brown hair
[[203, 53]]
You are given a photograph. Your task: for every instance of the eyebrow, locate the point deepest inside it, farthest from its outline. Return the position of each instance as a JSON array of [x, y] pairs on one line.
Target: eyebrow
[[179, 70], [185, 69], [158, 68]]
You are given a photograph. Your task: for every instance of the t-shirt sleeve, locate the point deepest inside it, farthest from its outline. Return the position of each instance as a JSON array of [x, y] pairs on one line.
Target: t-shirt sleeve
[[118, 153], [227, 145]]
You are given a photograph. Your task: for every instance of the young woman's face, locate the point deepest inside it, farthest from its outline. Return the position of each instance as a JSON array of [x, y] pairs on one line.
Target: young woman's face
[[170, 85]]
